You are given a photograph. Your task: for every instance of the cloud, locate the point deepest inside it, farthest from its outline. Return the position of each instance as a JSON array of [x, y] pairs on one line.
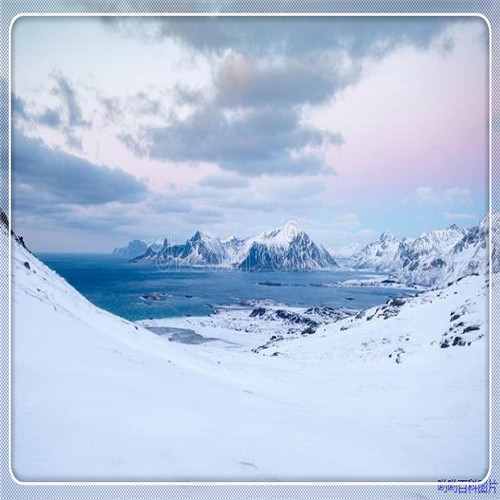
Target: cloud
[[460, 216], [65, 90], [258, 143], [346, 221], [143, 104], [457, 195], [242, 81], [49, 117], [427, 195], [19, 107], [265, 72], [297, 35], [51, 175], [113, 110], [67, 118], [185, 95], [262, 195], [224, 181]]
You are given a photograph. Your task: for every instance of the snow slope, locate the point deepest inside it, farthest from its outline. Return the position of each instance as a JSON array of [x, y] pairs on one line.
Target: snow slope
[[98, 397]]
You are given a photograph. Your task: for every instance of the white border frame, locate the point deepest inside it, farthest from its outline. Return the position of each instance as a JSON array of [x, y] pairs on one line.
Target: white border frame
[[252, 483]]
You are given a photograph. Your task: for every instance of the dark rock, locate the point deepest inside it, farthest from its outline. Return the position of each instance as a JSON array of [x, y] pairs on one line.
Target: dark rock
[[329, 313], [308, 331], [397, 302], [258, 312], [27, 265], [458, 341], [295, 318], [361, 314], [397, 355], [465, 276], [471, 328]]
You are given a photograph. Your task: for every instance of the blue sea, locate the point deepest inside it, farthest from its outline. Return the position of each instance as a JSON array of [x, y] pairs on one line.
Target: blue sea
[[144, 291]]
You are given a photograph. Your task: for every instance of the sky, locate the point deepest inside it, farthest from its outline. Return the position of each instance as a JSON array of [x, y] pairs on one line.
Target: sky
[[135, 127]]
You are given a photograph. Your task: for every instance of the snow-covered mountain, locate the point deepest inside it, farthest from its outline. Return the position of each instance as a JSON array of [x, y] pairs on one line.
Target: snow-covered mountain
[[199, 250], [433, 259], [378, 255], [233, 247], [283, 249]]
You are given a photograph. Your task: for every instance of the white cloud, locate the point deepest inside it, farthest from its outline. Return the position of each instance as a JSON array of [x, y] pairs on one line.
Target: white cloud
[[452, 196], [459, 216], [425, 194], [347, 220]]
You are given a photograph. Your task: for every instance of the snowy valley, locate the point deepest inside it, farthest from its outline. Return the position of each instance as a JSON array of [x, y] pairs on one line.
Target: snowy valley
[[262, 391]]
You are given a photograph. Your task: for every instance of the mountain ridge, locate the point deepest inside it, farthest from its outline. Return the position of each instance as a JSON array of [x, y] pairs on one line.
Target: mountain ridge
[[283, 249], [435, 258]]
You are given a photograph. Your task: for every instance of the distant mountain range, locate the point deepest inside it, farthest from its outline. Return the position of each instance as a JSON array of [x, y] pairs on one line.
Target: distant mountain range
[[136, 248], [283, 249], [433, 259]]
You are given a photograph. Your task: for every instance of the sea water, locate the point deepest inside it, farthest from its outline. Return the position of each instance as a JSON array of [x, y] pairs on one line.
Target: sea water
[[143, 291]]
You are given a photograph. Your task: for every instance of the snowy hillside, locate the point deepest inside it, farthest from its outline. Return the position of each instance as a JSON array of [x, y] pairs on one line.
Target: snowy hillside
[[283, 249], [433, 259], [264, 392]]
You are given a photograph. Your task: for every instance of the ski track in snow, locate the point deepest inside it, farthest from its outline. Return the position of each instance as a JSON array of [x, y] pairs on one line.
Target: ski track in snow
[[372, 397]]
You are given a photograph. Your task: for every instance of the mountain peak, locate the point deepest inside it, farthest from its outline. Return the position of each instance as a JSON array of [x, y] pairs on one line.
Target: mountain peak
[[285, 248], [200, 235], [281, 236], [291, 230], [386, 236]]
